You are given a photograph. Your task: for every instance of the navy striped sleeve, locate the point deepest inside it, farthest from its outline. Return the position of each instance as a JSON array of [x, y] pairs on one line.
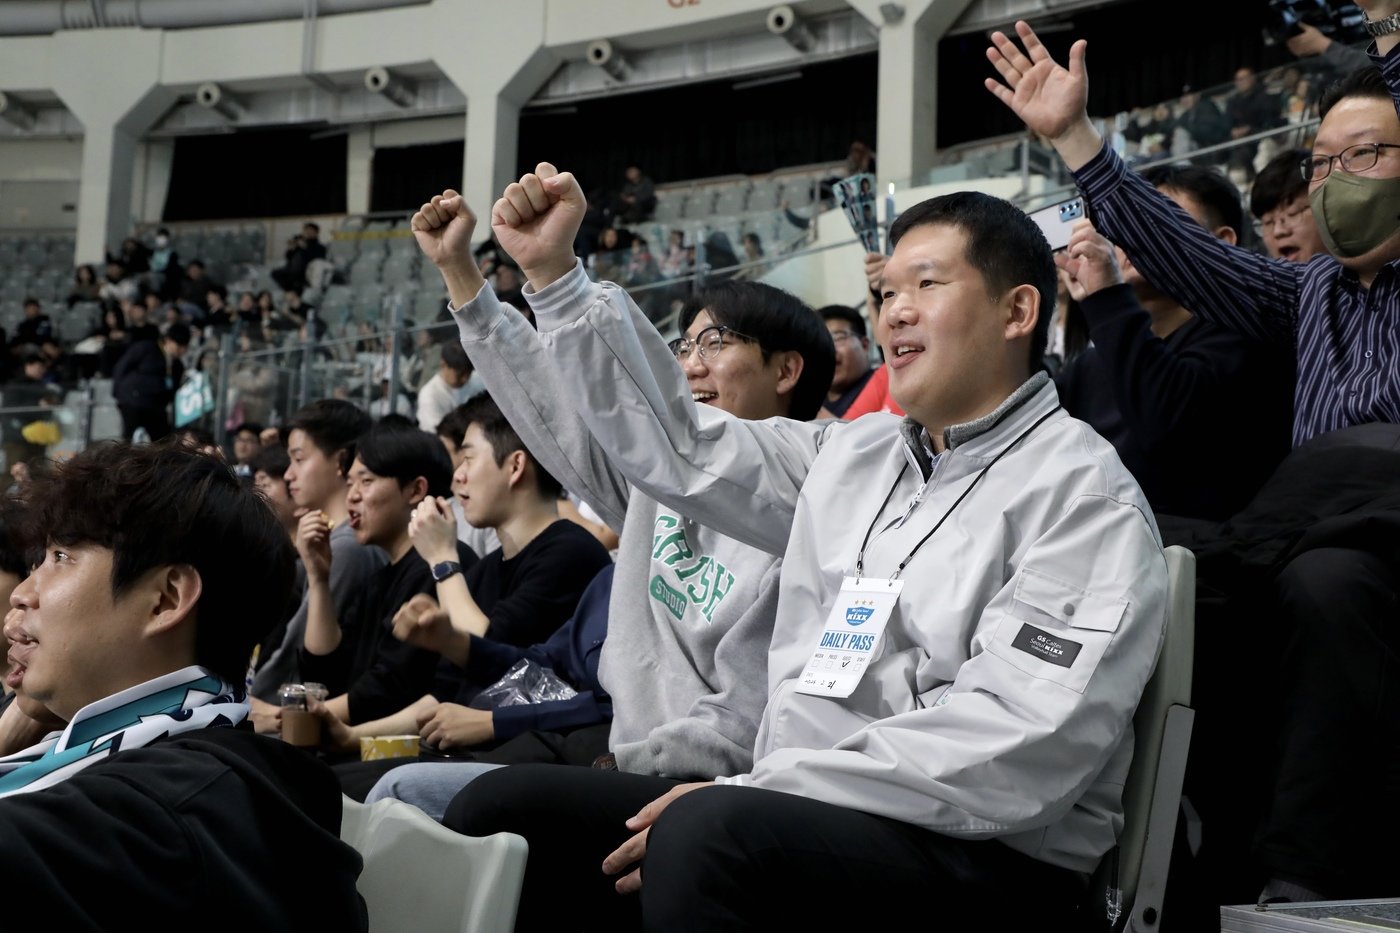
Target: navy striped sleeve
[[1226, 284]]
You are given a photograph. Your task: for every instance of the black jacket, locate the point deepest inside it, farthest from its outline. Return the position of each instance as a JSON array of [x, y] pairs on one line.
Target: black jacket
[[141, 380], [218, 829]]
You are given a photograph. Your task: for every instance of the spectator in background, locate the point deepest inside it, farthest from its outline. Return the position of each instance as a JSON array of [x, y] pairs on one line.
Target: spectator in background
[[641, 266], [853, 370], [301, 250], [1160, 384], [508, 284], [452, 386], [246, 444], [145, 379], [637, 199], [609, 260], [218, 314], [1202, 120], [165, 272], [1279, 202], [1337, 56], [451, 430], [26, 394], [269, 466], [754, 265], [253, 382], [135, 257], [320, 448], [1251, 110], [196, 285], [675, 263], [58, 361], [119, 285], [85, 286], [35, 327]]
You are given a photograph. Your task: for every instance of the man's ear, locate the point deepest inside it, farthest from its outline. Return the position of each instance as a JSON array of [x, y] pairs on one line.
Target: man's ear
[[790, 364], [416, 490], [1022, 311], [174, 589], [1227, 234], [515, 465]]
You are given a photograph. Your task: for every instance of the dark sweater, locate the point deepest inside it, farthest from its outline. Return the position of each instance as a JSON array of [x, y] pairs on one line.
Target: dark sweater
[[380, 674], [218, 829], [527, 598], [1201, 419], [572, 653]]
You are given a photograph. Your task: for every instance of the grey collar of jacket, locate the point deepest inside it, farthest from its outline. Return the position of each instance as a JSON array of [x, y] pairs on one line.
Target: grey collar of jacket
[[916, 435]]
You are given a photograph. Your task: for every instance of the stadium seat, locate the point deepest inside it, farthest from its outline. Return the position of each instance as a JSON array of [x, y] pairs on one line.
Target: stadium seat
[[420, 875]]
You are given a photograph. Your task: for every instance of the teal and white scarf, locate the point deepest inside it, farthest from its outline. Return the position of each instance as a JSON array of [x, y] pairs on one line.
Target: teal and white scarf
[[183, 701]]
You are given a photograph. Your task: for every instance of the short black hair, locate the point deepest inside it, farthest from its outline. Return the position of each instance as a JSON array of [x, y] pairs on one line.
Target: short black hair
[[1279, 182], [248, 426], [1003, 244], [779, 321], [272, 460], [481, 410], [850, 316], [1216, 194], [394, 449], [1365, 81], [33, 301], [12, 557], [163, 504], [332, 424], [454, 357], [179, 333], [195, 262], [455, 423]]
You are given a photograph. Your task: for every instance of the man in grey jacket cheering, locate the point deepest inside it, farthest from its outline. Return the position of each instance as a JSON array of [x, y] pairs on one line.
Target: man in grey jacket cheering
[[971, 601]]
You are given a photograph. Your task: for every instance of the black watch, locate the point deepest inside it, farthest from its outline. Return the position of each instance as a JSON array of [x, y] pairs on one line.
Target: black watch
[[445, 569]]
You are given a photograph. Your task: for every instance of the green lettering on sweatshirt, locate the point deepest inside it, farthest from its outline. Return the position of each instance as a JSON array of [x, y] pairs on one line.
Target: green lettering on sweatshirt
[[705, 580]]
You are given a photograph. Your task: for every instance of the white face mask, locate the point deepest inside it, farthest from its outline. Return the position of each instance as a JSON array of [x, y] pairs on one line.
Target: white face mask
[[162, 242]]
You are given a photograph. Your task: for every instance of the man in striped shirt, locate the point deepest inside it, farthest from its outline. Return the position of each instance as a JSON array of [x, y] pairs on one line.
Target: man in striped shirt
[[1338, 714]]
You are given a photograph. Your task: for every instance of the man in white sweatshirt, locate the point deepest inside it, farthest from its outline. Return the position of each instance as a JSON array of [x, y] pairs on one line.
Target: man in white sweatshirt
[[972, 600]]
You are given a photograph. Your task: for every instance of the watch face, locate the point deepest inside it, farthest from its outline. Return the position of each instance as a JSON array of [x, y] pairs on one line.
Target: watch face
[[445, 569]]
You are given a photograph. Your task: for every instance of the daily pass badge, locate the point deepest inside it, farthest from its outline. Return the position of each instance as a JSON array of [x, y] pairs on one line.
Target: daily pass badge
[[850, 637]]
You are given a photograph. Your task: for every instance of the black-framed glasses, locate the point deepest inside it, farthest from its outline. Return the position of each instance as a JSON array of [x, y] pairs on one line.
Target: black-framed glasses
[[1354, 159], [1288, 218], [708, 342]]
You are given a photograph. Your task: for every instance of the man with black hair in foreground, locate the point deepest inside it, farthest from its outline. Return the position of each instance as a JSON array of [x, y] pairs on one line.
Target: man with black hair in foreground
[[135, 627], [971, 601]]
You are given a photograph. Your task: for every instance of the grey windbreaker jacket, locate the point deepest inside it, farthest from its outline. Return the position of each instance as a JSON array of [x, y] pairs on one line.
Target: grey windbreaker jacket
[[957, 726]]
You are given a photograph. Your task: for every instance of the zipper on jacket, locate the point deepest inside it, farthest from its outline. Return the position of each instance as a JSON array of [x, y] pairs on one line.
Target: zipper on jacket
[[923, 490]]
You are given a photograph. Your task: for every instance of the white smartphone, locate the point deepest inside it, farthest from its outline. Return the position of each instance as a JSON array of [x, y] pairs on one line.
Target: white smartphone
[[1056, 220]]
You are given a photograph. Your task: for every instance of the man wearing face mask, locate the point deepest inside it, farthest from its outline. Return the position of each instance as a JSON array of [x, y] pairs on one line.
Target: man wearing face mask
[[1339, 717]]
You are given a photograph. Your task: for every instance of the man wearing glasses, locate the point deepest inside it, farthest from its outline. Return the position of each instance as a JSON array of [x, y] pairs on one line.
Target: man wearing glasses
[[1334, 619], [1283, 218], [853, 370]]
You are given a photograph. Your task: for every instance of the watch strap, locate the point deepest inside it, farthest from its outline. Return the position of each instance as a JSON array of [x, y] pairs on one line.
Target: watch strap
[[1383, 27], [445, 569]]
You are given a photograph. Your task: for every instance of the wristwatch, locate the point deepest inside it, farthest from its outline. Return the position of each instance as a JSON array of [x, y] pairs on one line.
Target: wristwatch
[[445, 569], [1384, 27]]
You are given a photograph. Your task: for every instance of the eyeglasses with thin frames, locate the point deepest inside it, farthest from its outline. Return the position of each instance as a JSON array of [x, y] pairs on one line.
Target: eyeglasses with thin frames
[[1353, 159], [1288, 219], [708, 343]]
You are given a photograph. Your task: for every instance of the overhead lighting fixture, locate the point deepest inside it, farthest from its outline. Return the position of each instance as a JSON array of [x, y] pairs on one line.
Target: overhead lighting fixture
[[766, 79]]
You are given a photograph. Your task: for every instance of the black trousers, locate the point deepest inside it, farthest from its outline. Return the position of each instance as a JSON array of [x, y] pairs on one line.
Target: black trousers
[[154, 420], [734, 858], [1333, 821]]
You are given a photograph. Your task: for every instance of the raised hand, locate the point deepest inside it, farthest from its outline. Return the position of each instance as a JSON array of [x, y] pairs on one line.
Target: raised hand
[[536, 220], [1089, 260], [433, 530], [314, 544], [443, 228], [1050, 98]]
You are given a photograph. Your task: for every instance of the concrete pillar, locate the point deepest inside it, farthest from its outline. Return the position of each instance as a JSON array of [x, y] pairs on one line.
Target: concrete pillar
[[115, 112], [498, 63], [359, 157], [905, 142]]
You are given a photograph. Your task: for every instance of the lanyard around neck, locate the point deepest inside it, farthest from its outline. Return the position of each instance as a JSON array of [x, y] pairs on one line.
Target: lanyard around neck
[[860, 557]]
